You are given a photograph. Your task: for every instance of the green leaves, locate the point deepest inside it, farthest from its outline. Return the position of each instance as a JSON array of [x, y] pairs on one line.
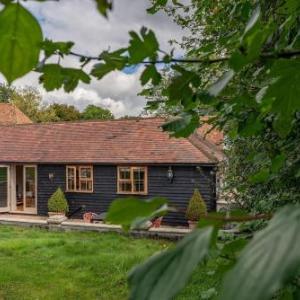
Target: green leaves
[[254, 18], [183, 125], [20, 40], [150, 74], [220, 84], [60, 48], [142, 46], [284, 91], [157, 5], [181, 87], [165, 274], [268, 261], [104, 6], [112, 61], [132, 212], [54, 77]]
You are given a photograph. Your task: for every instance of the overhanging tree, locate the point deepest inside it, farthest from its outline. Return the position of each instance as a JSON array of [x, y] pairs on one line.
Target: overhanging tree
[[244, 63]]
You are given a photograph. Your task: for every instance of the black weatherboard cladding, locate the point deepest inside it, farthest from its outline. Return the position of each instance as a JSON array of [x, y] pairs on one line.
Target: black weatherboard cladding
[[186, 178]]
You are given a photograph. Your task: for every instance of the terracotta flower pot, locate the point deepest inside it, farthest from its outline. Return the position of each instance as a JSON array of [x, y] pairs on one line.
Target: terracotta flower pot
[[157, 222], [88, 217]]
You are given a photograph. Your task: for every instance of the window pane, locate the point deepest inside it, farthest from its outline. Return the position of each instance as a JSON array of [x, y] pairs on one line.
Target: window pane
[[85, 172], [139, 174], [83, 185], [71, 173], [30, 187], [77, 187], [139, 186], [125, 186], [89, 185], [139, 179], [124, 173], [71, 184], [3, 187]]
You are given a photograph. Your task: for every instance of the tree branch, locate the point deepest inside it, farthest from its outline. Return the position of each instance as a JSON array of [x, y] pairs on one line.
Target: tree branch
[[285, 54]]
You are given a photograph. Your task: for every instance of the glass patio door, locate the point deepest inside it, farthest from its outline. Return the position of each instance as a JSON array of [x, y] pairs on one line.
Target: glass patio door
[[30, 189], [4, 188]]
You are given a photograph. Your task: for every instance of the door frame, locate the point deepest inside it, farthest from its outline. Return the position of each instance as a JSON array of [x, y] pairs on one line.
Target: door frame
[[29, 210], [7, 208], [13, 197]]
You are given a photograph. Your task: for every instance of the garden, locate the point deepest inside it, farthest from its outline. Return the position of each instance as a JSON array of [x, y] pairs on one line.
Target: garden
[[40, 264]]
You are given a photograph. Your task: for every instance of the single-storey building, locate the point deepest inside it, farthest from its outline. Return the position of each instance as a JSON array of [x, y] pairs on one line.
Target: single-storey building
[[95, 162]]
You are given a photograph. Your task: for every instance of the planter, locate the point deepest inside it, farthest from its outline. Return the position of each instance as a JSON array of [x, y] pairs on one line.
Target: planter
[[193, 224], [56, 217], [88, 217], [157, 222]]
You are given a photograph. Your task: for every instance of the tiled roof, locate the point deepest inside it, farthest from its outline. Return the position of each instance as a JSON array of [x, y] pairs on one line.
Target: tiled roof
[[111, 142], [11, 115]]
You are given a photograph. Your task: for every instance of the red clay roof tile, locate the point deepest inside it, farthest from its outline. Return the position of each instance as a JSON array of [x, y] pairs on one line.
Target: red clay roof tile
[[10, 115], [139, 141]]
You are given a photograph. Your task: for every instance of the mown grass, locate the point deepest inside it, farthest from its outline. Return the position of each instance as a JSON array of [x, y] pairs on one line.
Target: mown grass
[[41, 264], [38, 264]]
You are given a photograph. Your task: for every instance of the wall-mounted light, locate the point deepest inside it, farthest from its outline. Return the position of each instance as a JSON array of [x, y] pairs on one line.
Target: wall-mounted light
[[170, 174], [199, 169], [51, 176], [213, 171]]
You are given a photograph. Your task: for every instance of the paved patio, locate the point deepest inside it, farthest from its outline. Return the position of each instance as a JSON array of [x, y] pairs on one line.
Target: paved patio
[[166, 232]]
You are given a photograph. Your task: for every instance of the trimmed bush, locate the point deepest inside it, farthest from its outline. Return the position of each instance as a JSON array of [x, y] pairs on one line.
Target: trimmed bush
[[58, 202], [196, 207]]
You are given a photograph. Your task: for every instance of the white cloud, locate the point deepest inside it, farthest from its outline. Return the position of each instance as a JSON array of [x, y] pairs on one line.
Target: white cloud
[[82, 97], [79, 21]]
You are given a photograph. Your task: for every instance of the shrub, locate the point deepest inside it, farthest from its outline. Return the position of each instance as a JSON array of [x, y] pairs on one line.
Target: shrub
[[58, 202], [196, 207]]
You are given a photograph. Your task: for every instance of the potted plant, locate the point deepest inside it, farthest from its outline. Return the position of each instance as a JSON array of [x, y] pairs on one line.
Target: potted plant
[[57, 207], [196, 209]]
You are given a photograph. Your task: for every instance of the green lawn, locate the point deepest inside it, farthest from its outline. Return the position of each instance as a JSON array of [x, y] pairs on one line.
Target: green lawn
[[40, 264]]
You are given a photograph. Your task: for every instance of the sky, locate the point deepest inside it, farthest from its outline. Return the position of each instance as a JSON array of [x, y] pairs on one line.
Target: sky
[[79, 21]]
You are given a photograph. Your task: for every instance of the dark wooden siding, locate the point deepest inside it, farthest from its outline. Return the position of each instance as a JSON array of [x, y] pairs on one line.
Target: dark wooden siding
[[186, 178]]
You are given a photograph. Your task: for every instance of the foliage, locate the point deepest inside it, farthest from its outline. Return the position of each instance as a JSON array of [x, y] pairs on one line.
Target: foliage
[[58, 202], [5, 93], [187, 254], [258, 260], [29, 101], [277, 185], [131, 212], [93, 112], [196, 207], [65, 112], [20, 39]]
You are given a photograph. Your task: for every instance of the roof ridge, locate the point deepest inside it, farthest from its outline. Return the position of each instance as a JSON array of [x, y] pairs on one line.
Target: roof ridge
[[195, 138], [137, 119]]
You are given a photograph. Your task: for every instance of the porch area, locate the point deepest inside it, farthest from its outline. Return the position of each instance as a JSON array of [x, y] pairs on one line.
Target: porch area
[[163, 232]]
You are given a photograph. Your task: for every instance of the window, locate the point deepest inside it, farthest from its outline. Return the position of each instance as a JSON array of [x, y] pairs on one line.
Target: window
[[132, 180], [80, 179]]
